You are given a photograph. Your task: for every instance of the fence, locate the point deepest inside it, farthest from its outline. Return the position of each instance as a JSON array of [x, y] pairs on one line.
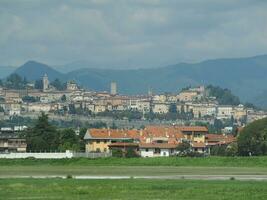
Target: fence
[[54, 155]]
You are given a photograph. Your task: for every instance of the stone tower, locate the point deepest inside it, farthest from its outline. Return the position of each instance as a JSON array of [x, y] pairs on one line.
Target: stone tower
[[45, 82], [113, 88]]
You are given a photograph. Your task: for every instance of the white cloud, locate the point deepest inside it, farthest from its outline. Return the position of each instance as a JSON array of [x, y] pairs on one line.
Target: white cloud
[[130, 33]]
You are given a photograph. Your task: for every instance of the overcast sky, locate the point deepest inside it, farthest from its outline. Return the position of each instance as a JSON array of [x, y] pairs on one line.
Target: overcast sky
[[130, 33]]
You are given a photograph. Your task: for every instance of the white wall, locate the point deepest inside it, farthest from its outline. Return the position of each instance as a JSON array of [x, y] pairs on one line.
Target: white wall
[[149, 153], [12, 155], [53, 155]]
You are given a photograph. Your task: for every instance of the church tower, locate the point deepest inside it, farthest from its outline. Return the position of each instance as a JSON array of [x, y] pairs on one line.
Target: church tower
[[45, 83]]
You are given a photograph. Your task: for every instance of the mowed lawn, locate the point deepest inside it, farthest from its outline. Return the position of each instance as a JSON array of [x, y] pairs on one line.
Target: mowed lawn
[[130, 189], [135, 166]]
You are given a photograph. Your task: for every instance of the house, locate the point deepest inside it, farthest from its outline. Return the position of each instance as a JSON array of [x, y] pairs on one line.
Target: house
[[160, 108], [11, 142], [98, 140], [224, 112], [151, 141], [157, 149]]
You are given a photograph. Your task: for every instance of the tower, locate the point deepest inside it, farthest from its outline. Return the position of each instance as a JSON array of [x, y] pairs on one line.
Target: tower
[[113, 88], [45, 82]]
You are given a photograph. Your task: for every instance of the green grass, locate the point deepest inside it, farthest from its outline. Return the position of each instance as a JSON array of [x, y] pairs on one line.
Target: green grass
[[46, 170], [168, 161], [131, 189], [135, 166]]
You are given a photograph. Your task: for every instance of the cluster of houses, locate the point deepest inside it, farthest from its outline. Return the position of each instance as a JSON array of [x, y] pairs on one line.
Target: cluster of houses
[[154, 141], [197, 101], [151, 141]]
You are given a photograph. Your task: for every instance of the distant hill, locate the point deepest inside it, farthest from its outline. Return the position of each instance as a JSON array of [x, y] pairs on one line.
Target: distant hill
[[246, 77], [6, 70], [33, 70]]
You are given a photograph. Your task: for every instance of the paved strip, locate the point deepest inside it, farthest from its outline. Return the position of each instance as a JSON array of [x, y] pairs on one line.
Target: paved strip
[[176, 177]]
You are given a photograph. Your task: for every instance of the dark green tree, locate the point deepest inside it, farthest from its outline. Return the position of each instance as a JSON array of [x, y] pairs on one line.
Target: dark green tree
[[63, 98], [69, 140], [252, 140], [14, 81], [38, 84], [58, 84], [173, 108], [43, 136]]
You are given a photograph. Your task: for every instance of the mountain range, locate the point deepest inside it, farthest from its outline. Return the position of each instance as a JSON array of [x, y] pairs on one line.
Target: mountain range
[[246, 77]]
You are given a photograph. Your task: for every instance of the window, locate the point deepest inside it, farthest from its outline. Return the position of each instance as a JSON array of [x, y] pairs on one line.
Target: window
[[146, 150], [98, 150], [98, 141], [105, 149], [157, 150]]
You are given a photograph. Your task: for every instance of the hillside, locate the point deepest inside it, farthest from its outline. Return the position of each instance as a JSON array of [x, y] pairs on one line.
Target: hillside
[[246, 77], [34, 70]]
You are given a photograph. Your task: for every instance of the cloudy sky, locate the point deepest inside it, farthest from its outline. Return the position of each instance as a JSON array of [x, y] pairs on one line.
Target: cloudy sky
[[130, 33]]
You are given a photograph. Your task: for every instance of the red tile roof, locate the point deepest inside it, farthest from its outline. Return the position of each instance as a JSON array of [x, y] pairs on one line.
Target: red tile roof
[[158, 145], [198, 145], [123, 144]]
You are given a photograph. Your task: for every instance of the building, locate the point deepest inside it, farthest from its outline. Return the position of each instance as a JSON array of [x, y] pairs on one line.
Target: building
[[113, 88], [157, 149], [225, 112], [72, 86], [11, 142], [152, 141], [45, 83], [160, 108]]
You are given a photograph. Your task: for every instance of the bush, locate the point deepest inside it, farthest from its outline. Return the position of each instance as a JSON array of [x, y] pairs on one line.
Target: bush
[[117, 153], [131, 153]]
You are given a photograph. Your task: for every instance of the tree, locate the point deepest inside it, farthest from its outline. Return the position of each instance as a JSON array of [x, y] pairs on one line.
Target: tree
[[183, 148], [58, 84], [30, 99], [14, 81], [69, 140], [173, 108], [224, 96], [252, 140], [38, 84], [63, 98], [43, 136]]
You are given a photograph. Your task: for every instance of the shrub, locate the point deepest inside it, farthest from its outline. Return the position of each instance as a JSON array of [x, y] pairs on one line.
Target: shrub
[[117, 153]]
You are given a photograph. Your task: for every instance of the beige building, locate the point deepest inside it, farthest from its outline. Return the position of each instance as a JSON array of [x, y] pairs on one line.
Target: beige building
[[186, 96], [160, 108]]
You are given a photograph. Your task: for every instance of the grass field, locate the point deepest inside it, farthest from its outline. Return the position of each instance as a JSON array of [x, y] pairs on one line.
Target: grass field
[[135, 166], [161, 161], [130, 189]]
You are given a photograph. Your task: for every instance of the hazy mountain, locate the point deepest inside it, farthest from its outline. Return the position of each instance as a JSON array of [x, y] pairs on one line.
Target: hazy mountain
[[246, 77], [33, 70], [6, 70]]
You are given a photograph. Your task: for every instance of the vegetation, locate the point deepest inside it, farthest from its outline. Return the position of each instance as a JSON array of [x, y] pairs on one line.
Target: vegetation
[[30, 99], [45, 137], [131, 189], [58, 84], [224, 96], [253, 139], [14, 81], [239, 162]]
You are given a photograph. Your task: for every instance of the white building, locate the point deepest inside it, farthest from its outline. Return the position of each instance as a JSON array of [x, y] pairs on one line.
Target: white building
[[45, 83], [224, 112], [157, 149], [113, 88], [160, 108]]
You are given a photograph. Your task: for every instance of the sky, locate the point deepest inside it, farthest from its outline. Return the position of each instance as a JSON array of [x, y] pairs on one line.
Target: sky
[[130, 33]]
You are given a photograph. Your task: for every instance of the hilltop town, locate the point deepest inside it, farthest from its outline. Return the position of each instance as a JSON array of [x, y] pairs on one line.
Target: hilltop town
[[203, 116], [68, 99]]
